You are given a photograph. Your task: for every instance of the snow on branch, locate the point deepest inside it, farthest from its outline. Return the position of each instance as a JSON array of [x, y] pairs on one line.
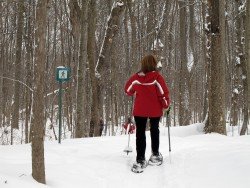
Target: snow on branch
[[119, 3], [157, 44]]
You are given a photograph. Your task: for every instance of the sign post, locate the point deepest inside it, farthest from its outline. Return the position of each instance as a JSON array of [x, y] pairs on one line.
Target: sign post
[[62, 75]]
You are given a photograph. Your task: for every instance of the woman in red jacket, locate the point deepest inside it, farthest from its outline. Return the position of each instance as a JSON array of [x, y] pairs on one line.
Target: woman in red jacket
[[151, 97]]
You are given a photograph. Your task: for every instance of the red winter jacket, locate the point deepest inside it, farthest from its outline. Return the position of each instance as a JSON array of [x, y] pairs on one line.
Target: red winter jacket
[[151, 94]]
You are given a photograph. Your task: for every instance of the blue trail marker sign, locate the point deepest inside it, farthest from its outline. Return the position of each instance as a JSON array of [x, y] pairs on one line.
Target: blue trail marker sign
[[62, 75]]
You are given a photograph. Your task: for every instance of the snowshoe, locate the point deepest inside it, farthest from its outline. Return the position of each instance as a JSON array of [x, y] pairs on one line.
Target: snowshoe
[[139, 166], [155, 159]]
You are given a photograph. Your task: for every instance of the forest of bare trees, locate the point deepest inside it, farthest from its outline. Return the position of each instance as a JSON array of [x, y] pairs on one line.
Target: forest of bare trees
[[203, 47]]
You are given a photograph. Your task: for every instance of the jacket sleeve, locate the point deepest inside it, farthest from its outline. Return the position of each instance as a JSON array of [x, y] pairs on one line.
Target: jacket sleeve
[[164, 92], [129, 86]]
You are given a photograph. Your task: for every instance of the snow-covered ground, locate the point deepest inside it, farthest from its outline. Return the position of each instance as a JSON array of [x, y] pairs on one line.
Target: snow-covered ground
[[196, 161]]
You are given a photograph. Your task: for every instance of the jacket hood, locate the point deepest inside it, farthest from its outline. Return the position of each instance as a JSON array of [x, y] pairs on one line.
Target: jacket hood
[[148, 77]]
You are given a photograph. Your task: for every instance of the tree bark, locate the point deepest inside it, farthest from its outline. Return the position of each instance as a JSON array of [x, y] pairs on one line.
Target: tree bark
[[101, 67], [248, 47], [183, 72], [18, 65], [236, 70], [29, 78], [81, 126], [216, 119], [94, 121], [245, 78], [151, 25], [133, 62], [207, 58], [111, 31], [38, 167], [1, 69]]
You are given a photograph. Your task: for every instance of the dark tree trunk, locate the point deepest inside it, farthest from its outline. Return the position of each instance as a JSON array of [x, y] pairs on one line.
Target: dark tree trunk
[[94, 121], [217, 87]]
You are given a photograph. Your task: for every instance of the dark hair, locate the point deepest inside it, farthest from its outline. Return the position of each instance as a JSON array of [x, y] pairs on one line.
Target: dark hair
[[148, 64]]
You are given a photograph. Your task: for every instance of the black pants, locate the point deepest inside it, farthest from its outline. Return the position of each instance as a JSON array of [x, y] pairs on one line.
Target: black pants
[[141, 135]]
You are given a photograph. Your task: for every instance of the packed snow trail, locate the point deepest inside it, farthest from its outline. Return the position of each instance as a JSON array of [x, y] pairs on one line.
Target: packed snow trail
[[197, 160]]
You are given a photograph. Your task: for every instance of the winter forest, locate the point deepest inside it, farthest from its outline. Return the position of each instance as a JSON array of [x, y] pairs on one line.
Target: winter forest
[[202, 48]]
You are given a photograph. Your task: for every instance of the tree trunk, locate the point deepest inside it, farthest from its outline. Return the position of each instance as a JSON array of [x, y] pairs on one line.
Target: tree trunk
[[127, 57], [245, 109], [207, 58], [114, 83], [245, 78], [29, 79], [18, 65], [217, 87], [183, 72], [100, 69], [132, 67], [236, 70], [94, 121], [1, 69], [111, 31], [248, 47], [38, 167], [80, 124], [151, 24]]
